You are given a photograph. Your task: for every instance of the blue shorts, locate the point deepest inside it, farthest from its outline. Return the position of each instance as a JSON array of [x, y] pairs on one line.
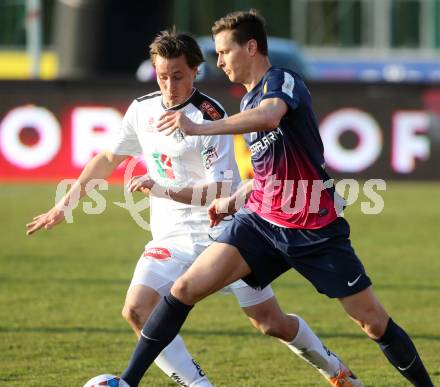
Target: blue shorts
[[324, 256]]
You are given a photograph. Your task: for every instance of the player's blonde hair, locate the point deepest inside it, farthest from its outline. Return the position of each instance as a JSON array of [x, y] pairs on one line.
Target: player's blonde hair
[[170, 44]]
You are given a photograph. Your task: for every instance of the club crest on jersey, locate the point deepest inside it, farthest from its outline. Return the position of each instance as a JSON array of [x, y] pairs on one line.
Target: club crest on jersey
[[207, 108], [178, 135], [159, 253], [209, 155]]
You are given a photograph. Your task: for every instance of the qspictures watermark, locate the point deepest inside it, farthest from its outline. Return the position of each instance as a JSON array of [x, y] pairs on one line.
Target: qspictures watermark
[[294, 195]]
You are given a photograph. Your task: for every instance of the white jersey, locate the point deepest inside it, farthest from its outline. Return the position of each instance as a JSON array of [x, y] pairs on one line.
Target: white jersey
[[178, 161]]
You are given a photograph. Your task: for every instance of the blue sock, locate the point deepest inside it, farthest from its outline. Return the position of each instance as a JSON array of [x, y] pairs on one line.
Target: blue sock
[[402, 354], [160, 329]]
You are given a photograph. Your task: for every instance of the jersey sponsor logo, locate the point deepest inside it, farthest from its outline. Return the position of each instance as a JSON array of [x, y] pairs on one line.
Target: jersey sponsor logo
[[210, 110], [253, 136], [159, 253], [264, 143], [209, 155], [288, 85], [164, 166]]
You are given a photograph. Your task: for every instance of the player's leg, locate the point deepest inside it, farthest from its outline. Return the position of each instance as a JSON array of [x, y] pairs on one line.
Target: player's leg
[[139, 302], [218, 266], [333, 267], [151, 281], [265, 314], [365, 309]]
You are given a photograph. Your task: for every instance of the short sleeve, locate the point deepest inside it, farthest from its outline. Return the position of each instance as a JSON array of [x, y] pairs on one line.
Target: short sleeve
[[281, 84], [125, 140]]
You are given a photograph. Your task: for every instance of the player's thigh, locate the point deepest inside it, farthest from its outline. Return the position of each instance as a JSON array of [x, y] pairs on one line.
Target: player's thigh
[[153, 277], [219, 265], [332, 267]]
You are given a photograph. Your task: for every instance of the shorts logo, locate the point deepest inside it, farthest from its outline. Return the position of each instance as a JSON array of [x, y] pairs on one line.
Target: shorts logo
[[207, 108], [159, 253], [350, 284]]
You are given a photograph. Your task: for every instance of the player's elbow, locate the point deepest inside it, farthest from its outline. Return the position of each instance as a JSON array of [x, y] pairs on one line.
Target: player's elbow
[[272, 111], [271, 120], [112, 158]]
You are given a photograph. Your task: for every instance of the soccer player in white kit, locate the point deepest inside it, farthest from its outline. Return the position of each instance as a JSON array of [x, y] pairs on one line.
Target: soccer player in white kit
[[187, 173]]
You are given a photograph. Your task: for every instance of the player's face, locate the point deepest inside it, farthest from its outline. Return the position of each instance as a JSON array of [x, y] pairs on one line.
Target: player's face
[[175, 79], [233, 59]]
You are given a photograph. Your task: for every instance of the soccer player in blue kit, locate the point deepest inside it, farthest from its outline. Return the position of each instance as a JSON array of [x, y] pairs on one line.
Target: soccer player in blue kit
[[272, 232]]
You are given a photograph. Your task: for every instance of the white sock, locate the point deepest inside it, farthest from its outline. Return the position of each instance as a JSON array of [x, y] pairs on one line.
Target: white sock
[[309, 348], [178, 364]]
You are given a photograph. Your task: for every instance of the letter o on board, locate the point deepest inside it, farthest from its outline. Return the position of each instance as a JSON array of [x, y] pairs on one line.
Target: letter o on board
[[39, 154], [364, 126]]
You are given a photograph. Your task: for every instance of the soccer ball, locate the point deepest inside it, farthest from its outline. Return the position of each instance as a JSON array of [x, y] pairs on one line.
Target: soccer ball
[[106, 380]]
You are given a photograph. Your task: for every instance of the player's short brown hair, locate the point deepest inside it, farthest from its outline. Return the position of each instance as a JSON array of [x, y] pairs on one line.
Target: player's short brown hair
[[245, 26], [170, 44]]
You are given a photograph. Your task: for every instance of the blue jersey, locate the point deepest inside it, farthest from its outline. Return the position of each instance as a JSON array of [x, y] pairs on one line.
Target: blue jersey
[[291, 186]]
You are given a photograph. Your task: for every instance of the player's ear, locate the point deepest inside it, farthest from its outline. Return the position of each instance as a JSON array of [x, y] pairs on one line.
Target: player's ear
[[252, 47], [195, 71]]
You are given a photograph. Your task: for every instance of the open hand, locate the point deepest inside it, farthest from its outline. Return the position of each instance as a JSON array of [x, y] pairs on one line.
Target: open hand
[[220, 209], [47, 221]]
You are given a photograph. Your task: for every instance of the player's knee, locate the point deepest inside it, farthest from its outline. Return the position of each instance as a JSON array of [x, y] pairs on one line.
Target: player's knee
[[183, 291], [374, 321], [261, 326], [132, 315], [274, 327]]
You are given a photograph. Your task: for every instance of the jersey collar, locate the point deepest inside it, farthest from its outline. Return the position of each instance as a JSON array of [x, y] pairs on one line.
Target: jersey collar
[[249, 96], [181, 105]]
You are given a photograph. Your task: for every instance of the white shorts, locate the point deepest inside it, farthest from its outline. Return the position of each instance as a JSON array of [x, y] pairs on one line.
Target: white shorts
[[158, 269]]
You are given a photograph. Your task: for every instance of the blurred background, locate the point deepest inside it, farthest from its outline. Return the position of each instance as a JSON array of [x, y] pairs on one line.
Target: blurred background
[[69, 69]]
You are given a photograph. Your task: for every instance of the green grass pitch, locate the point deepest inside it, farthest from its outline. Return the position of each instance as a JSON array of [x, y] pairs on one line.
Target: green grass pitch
[[61, 293]]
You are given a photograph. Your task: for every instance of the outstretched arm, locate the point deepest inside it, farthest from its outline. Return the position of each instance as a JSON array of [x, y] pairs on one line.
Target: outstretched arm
[[266, 116], [100, 167], [200, 195]]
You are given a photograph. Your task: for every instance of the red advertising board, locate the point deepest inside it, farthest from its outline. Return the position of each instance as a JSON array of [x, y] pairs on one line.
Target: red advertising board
[[49, 130]]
